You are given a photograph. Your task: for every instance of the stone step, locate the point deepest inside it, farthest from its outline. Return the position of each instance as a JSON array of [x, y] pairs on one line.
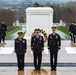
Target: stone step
[[43, 64]]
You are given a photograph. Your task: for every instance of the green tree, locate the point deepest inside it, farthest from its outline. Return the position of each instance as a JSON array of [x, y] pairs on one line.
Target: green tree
[[37, 5], [8, 16], [54, 14], [21, 19]]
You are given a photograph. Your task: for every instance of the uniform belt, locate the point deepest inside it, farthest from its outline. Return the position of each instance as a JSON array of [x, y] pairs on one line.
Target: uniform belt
[[54, 44]]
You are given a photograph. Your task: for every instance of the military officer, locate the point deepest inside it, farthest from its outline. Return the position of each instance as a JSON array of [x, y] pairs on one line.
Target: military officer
[[71, 27], [37, 46], [74, 34], [20, 50], [0, 35], [3, 31], [54, 45]]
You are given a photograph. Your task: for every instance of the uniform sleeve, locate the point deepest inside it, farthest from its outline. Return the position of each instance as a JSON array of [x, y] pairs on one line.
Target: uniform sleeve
[[59, 44], [25, 45], [42, 43], [48, 42], [32, 43], [70, 28], [5, 27], [15, 46], [74, 31]]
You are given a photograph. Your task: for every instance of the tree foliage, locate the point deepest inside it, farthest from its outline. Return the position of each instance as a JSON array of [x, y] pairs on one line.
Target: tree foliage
[[21, 19], [66, 12], [8, 16], [37, 5]]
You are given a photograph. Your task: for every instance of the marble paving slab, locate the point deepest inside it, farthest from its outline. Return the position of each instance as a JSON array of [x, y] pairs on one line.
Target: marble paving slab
[[6, 50], [70, 50]]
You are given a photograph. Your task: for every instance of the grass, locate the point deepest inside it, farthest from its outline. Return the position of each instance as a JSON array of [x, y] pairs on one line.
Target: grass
[[63, 30], [24, 34], [61, 38], [12, 32]]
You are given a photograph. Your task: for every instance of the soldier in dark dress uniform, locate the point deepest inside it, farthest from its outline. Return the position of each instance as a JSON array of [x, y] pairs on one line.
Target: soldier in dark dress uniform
[[71, 30], [20, 50], [74, 34], [0, 35], [3, 31], [54, 44], [37, 46]]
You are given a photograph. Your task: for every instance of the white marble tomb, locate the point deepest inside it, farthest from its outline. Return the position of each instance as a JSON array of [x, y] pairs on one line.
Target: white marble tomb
[[39, 17]]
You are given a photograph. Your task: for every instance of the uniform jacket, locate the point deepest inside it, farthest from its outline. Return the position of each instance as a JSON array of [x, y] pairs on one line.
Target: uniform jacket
[[54, 42], [20, 46], [3, 29], [74, 30], [0, 31], [71, 28], [37, 44]]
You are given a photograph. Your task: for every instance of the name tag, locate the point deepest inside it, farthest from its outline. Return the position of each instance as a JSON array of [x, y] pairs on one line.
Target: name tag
[[23, 41], [40, 39], [56, 37]]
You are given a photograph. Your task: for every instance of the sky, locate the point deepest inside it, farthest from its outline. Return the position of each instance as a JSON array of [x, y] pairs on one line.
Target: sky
[[45, 0], [39, 0], [56, 0]]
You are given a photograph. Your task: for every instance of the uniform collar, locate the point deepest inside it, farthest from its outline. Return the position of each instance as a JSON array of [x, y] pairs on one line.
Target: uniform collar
[[54, 33], [37, 36], [20, 39]]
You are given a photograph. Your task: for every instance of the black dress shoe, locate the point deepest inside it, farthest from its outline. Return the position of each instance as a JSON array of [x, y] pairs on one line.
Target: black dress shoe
[[35, 70], [19, 69], [38, 69], [54, 69], [22, 69]]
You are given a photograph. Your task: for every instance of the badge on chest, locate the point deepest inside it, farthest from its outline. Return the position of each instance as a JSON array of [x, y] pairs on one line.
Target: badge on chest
[[56, 37], [50, 37], [40, 39]]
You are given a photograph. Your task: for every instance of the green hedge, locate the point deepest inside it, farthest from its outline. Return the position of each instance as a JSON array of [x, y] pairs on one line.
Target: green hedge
[[63, 30], [12, 32], [24, 34], [61, 38]]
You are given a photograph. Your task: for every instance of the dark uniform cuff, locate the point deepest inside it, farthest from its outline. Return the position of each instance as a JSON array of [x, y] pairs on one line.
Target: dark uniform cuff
[[59, 47], [31, 48], [48, 47], [42, 48]]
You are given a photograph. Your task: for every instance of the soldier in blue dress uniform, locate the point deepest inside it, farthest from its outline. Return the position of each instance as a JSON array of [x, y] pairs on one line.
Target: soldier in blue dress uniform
[[54, 45], [71, 32], [74, 34], [0, 35], [37, 46], [3, 31], [20, 50]]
